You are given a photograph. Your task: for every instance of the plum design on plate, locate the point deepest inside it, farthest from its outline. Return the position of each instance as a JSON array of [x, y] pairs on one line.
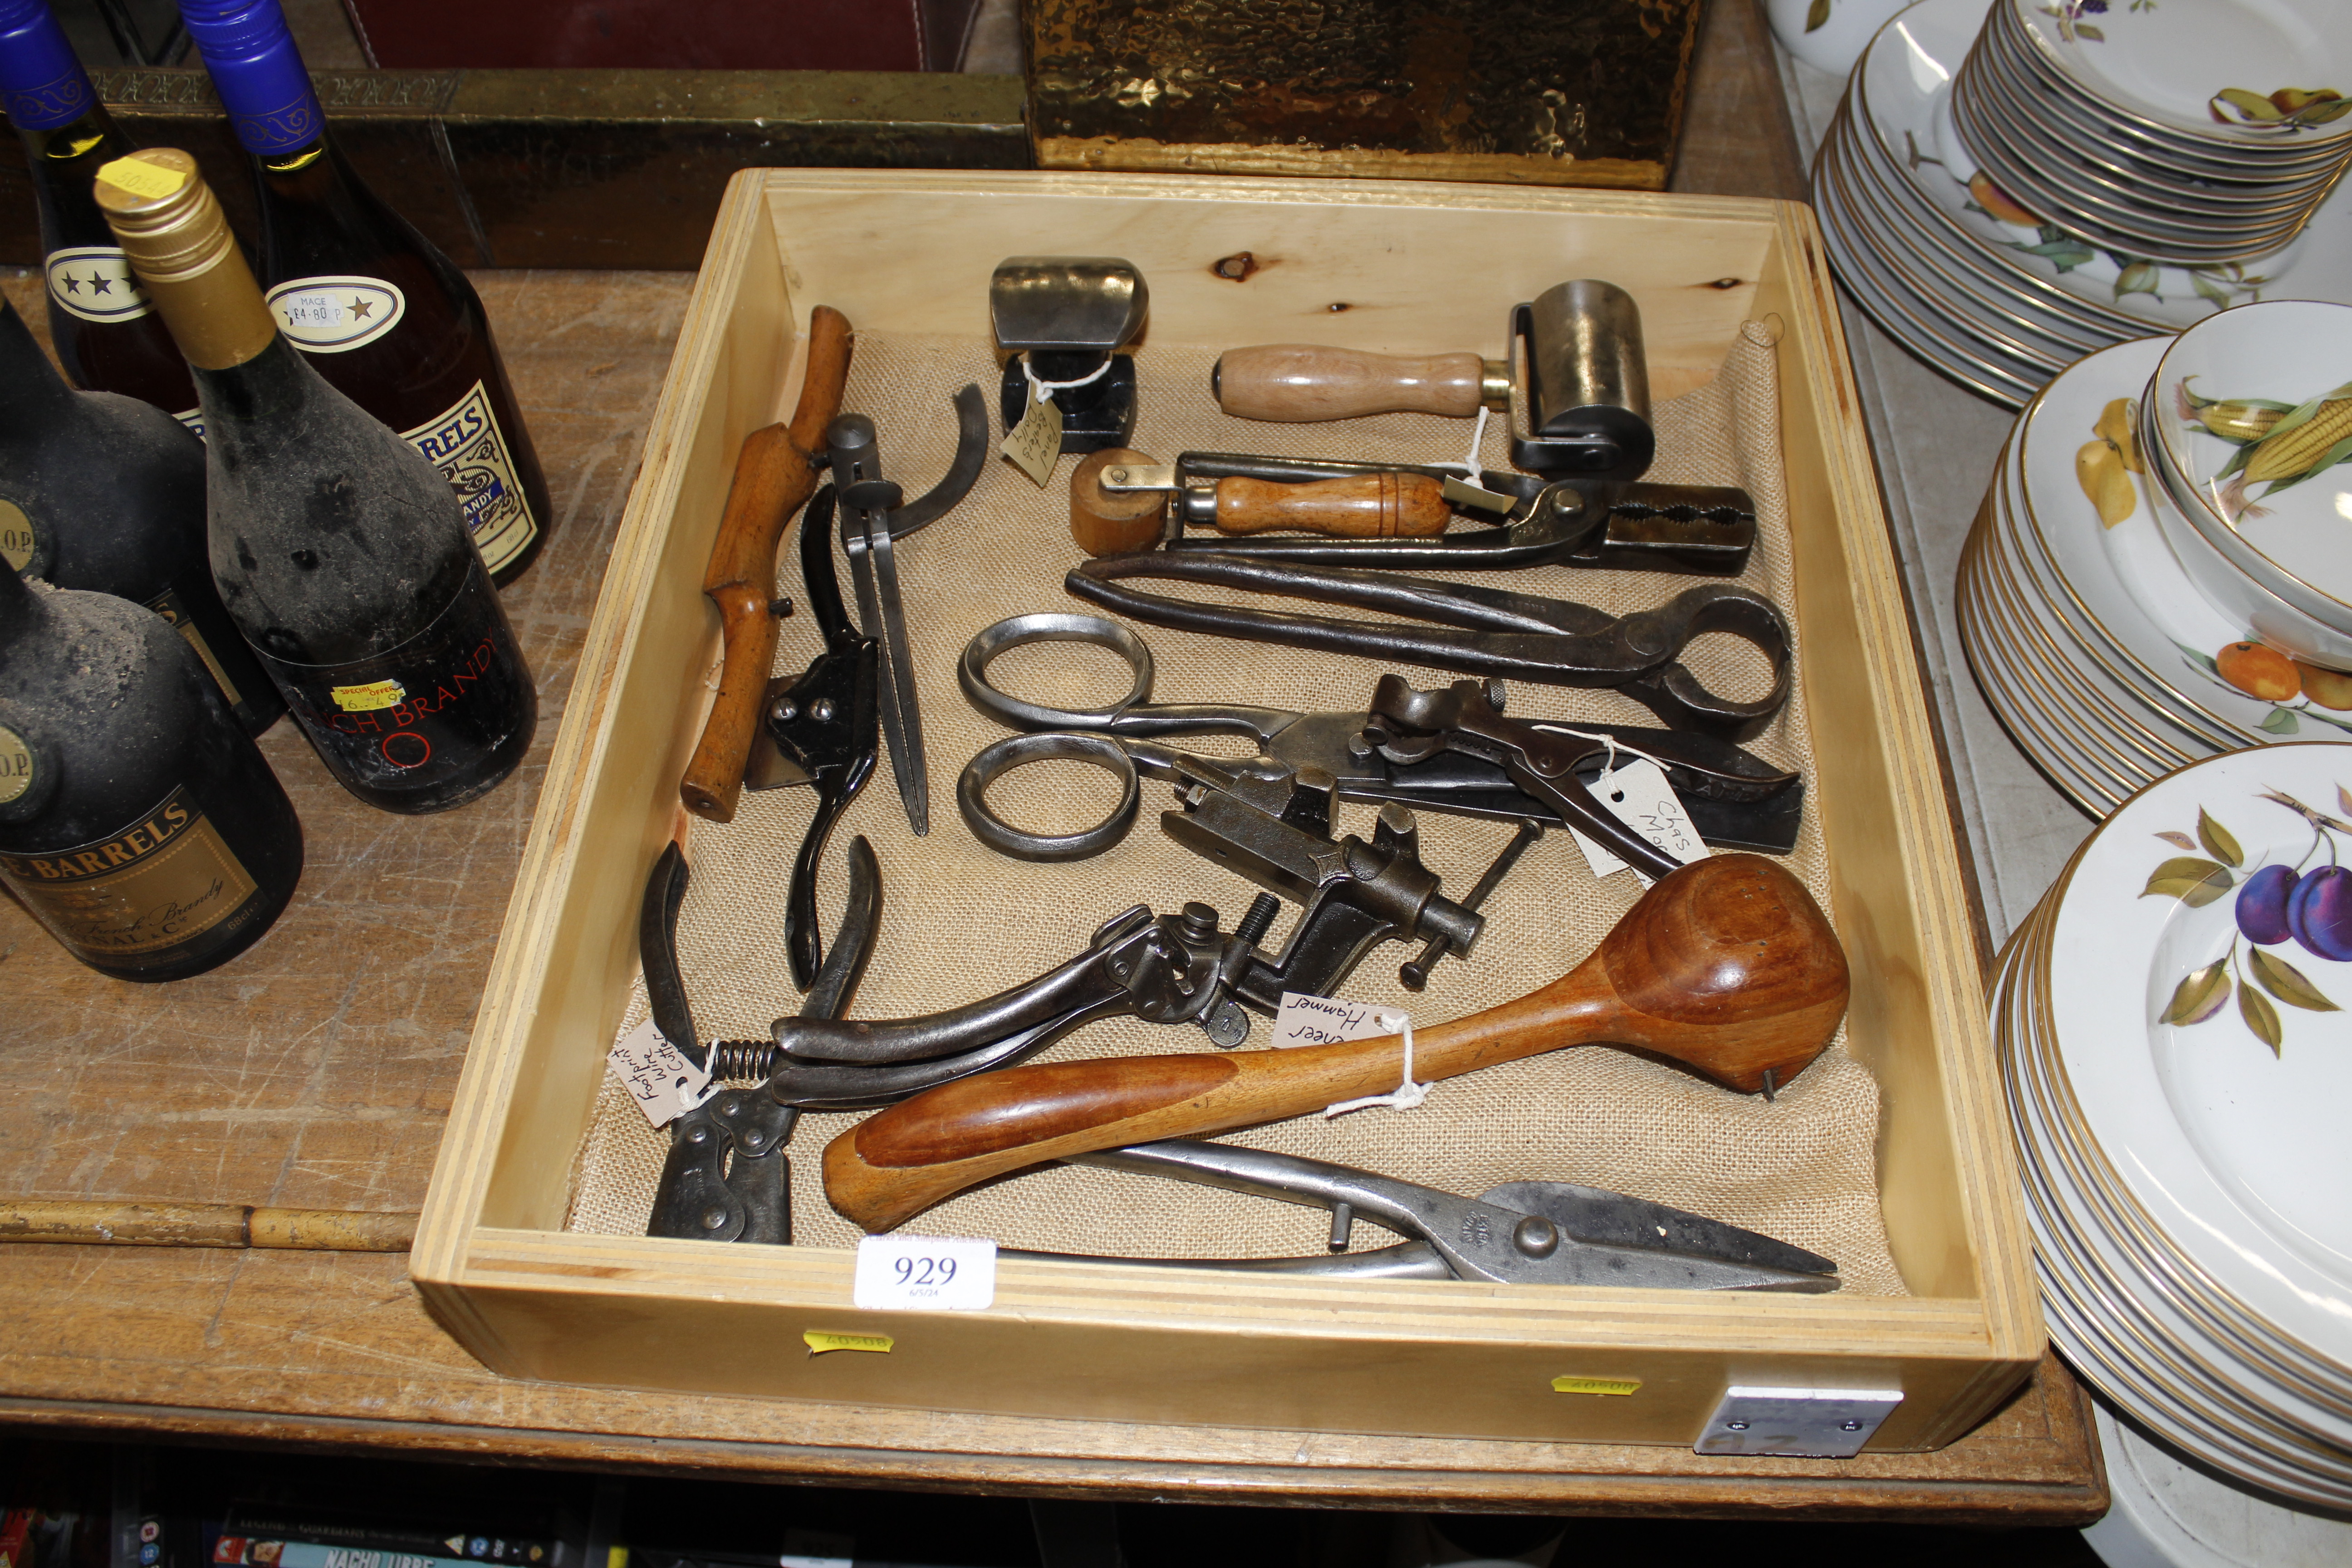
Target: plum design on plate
[[2069, 15], [2279, 445], [2308, 905]]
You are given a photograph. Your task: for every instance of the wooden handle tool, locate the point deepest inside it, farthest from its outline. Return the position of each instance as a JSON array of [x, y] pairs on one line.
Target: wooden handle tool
[[775, 474], [1120, 500], [88, 1222], [1726, 966], [1303, 384]]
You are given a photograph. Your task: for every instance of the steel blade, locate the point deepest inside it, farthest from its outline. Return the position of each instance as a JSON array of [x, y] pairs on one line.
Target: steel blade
[[902, 724], [1611, 1219]]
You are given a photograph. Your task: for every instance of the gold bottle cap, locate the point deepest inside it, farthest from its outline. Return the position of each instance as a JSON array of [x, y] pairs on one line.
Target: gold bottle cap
[[172, 228]]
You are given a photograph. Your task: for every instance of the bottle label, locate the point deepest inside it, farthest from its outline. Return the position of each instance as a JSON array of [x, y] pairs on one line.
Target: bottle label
[[15, 766], [466, 444], [193, 418], [96, 283], [334, 315], [160, 890], [427, 715], [17, 540], [174, 611]]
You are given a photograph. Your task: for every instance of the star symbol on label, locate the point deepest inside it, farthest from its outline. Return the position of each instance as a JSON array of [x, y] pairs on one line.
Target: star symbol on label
[[72, 283], [359, 307], [101, 284]]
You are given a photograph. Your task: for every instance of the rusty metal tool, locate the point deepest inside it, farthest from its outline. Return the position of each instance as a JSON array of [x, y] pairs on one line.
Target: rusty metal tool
[[775, 474]]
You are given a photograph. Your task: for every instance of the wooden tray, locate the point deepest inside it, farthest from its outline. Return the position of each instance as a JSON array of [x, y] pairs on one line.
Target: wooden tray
[[910, 252]]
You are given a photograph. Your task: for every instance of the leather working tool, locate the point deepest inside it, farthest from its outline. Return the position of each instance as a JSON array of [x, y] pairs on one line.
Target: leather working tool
[[1369, 503], [1707, 530], [872, 522], [1065, 317], [1520, 1233], [774, 474], [1726, 966], [1478, 630], [821, 729], [1735, 799], [1582, 403]]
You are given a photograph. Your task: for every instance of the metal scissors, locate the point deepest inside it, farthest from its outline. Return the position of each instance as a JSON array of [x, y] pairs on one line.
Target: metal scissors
[[1521, 1233], [1734, 797]]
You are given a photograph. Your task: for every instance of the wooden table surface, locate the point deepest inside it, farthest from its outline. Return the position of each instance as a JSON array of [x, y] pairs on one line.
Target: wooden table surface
[[315, 1071]]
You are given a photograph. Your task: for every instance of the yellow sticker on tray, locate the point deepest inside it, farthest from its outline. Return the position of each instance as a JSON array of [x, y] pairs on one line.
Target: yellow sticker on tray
[[1595, 1384], [819, 1341], [368, 698], [141, 178]]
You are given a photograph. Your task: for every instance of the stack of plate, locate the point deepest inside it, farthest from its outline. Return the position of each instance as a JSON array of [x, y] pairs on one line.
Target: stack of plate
[[2175, 1068], [2090, 642], [2142, 128], [1924, 238]]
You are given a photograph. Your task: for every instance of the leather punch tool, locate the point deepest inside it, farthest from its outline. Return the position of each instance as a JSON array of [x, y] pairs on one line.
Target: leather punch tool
[[1476, 630], [873, 520], [1736, 800], [1520, 1233]]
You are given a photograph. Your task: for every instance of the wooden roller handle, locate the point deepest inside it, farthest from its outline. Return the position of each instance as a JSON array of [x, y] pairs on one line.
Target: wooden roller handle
[[97, 1222], [1301, 383], [1360, 506], [775, 474], [1726, 966]]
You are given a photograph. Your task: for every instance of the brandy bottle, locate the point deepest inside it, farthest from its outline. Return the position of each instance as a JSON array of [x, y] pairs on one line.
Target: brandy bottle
[[138, 821], [383, 315], [107, 494], [341, 552], [106, 335]]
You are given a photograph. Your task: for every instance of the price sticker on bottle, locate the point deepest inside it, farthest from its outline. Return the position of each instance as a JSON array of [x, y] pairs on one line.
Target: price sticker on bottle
[[1637, 795], [925, 1274]]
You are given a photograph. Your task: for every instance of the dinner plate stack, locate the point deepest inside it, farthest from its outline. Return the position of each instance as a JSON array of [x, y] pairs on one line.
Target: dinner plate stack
[[2000, 293], [2091, 644], [2177, 1061]]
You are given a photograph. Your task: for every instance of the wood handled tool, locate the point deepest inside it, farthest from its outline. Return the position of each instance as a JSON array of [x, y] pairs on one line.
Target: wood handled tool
[[88, 1222], [1302, 383], [775, 474], [1120, 500], [1726, 966]]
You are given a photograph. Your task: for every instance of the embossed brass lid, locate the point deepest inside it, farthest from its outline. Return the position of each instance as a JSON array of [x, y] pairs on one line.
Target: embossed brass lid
[[178, 241]]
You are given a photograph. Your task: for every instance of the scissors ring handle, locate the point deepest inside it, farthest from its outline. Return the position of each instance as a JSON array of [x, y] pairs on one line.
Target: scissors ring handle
[[971, 671], [994, 760]]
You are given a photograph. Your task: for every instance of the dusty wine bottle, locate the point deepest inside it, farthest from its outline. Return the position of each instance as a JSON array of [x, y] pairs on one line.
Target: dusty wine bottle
[[138, 821], [106, 335], [105, 493], [340, 552], [385, 316]]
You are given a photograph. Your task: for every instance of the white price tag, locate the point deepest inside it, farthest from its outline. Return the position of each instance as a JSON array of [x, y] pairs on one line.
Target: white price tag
[[1304, 1020], [925, 1274], [1035, 444], [657, 1073], [1638, 796]]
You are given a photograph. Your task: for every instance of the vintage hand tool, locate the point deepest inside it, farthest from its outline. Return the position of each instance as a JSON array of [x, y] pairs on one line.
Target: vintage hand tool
[[1521, 1233], [1726, 966], [1061, 320], [1708, 530], [821, 729], [872, 522], [1735, 799], [727, 1177], [1583, 384], [775, 473], [1368, 503], [1479, 630]]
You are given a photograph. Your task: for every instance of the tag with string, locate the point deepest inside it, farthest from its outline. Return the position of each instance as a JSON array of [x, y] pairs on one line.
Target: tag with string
[[658, 1075], [1035, 444], [1636, 792]]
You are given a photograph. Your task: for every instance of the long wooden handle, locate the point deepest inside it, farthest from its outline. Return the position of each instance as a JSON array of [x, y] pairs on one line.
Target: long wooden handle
[[1300, 384], [95, 1223], [1359, 506], [775, 474], [1726, 966]]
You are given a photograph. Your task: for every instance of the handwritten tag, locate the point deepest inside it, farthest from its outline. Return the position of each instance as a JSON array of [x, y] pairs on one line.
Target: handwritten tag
[[1035, 444], [656, 1074], [1304, 1020], [1638, 796], [925, 1274]]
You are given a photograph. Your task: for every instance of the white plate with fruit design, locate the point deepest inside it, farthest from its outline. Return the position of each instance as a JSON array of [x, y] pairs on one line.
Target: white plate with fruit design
[[2248, 73], [2220, 899]]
